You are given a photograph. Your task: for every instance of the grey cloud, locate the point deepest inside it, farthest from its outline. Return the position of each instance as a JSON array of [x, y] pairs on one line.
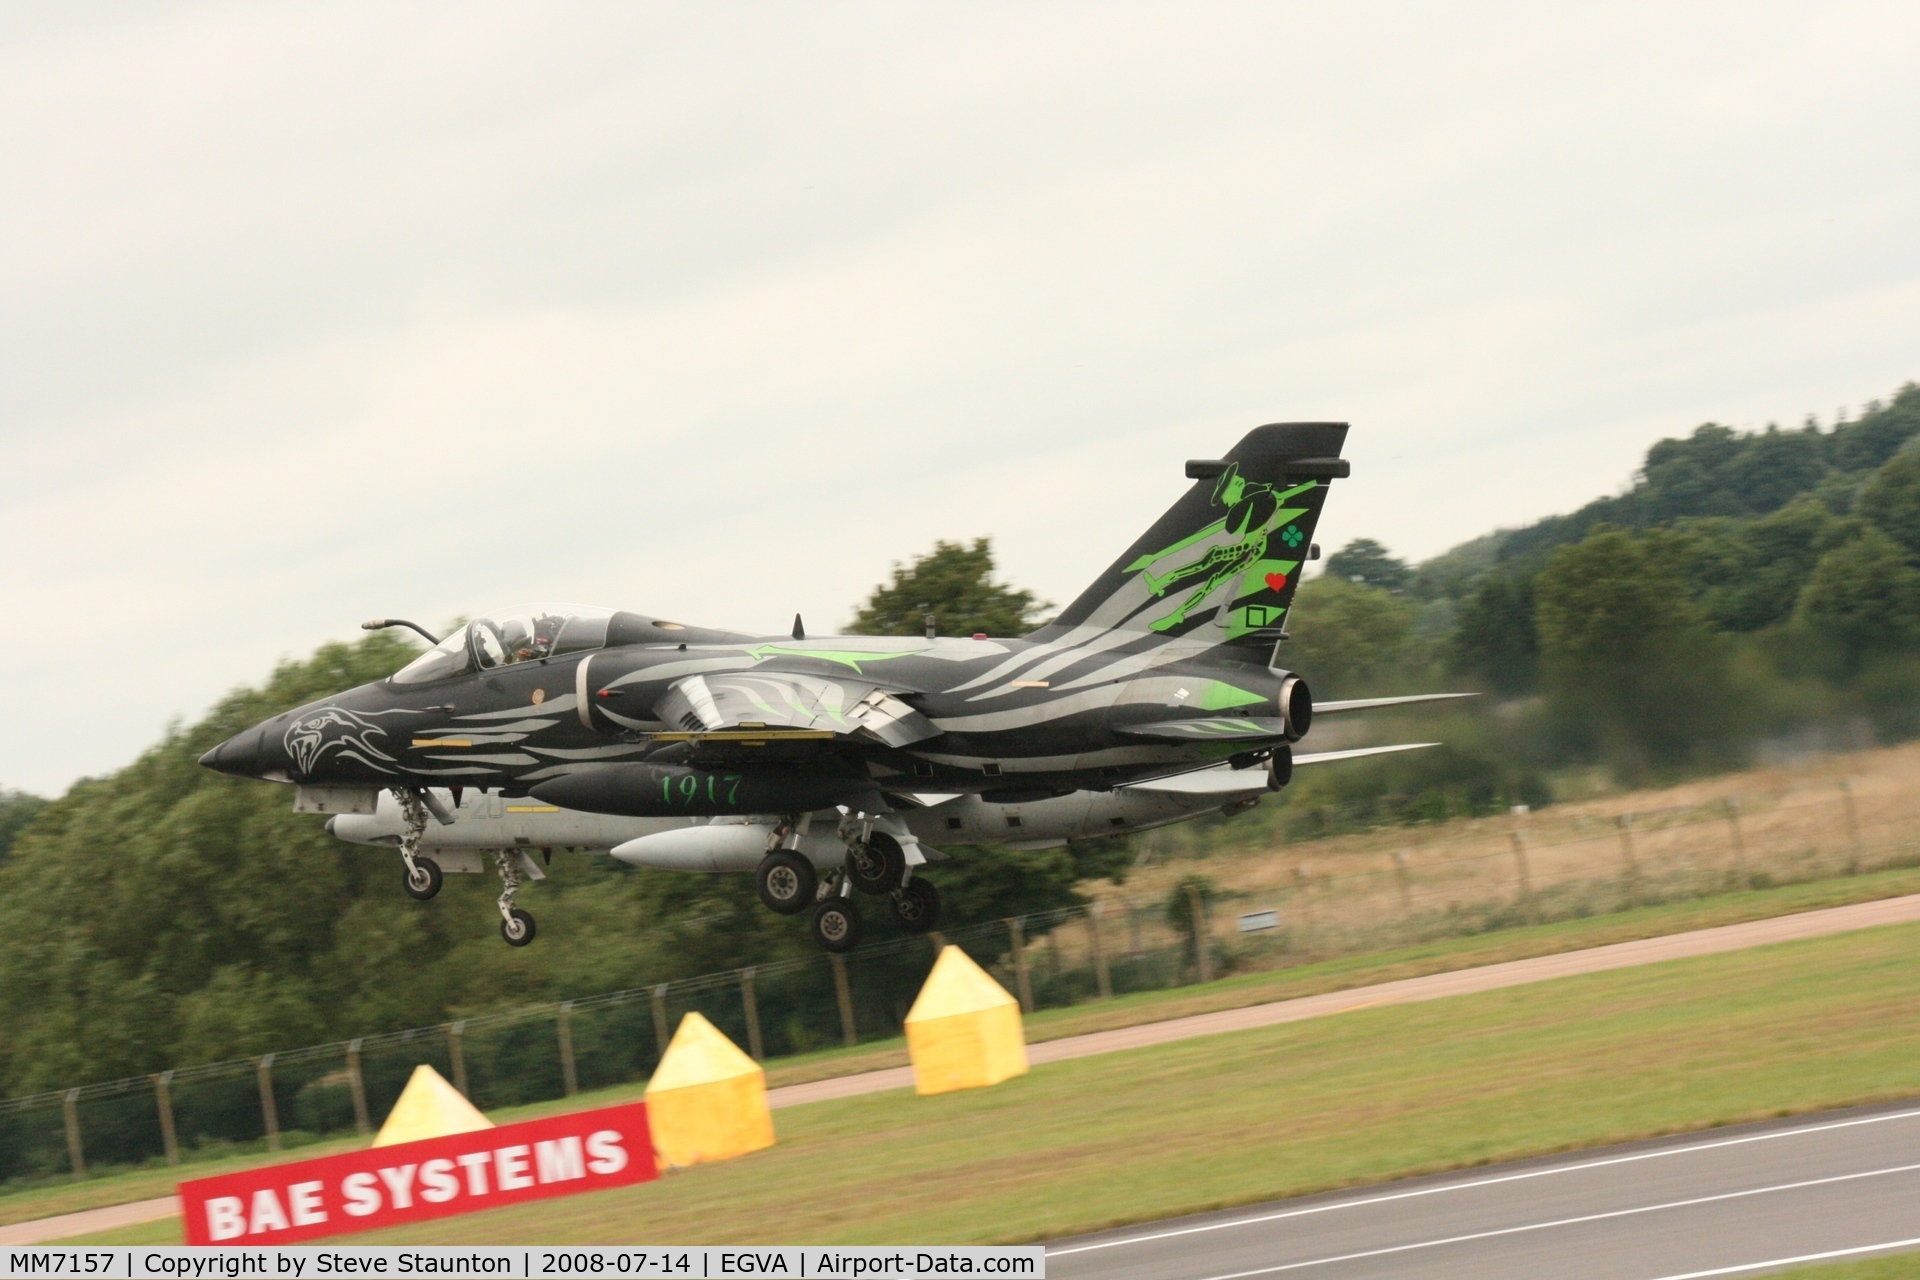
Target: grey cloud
[[313, 314]]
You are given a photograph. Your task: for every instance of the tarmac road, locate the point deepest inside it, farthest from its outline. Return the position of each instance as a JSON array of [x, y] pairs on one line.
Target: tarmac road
[[1733, 1202]]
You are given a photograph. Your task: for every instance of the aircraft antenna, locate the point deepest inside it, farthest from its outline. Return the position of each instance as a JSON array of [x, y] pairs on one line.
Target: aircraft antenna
[[381, 624]]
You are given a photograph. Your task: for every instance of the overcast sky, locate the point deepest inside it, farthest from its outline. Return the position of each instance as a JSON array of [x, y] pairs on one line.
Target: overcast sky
[[313, 313]]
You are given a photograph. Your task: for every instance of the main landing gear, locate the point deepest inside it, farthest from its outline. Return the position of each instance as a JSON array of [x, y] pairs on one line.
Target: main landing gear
[[875, 864], [916, 904], [785, 880], [836, 924]]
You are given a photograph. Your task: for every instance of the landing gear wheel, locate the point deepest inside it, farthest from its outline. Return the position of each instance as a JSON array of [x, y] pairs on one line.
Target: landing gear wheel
[[876, 866], [916, 904], [786, 882], [421, 880], [836, 924], [517, 928]]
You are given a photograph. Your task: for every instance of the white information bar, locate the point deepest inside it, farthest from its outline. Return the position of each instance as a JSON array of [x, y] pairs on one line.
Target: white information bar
[[648, 1262]]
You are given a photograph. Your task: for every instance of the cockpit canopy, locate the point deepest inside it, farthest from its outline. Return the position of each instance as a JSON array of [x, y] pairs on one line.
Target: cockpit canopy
[[520, 634]]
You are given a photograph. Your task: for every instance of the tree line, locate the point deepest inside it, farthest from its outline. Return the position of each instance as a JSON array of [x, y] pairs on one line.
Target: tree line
[[1747, 586]]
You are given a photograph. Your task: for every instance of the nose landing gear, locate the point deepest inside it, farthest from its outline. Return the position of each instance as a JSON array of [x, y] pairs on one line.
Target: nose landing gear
[[516, 926], [421, 878]]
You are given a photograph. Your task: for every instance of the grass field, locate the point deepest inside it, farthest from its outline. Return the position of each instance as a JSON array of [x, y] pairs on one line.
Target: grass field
[[1906, 1267], [1235, 992], [1287, 1110]]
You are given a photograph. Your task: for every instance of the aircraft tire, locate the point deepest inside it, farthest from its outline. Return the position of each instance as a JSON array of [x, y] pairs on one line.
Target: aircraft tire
[[916, 905], [879, 867], [836, 924], [423, 881], [785, 882], [517, 928]]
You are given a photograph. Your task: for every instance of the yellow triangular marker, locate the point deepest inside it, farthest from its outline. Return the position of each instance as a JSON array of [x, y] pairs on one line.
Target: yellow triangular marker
[[707, 1100], [429, 1107], [964, 1029]]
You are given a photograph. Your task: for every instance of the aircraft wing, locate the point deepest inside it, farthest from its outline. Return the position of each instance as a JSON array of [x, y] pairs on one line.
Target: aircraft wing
[[1368, 704], [775, 705], [1225, 780]]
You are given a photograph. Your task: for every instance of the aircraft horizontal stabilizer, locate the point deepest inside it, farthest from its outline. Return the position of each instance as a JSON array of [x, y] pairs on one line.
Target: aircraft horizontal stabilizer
[[1368, 704], [1213, 729], [1323, 757], [1225, 780]]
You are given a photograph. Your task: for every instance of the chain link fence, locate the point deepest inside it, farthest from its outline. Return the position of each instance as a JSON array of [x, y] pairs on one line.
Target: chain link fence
[[538, 1052]]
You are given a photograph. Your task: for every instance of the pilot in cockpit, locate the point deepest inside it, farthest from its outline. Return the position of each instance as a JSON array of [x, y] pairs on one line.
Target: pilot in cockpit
[[517, 640]]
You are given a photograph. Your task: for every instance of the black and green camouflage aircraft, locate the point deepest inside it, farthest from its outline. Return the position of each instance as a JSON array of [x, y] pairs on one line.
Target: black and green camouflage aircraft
[[813, 760]]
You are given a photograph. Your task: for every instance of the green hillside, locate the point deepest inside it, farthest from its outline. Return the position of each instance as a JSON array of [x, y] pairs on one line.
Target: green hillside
[[1746, 588]]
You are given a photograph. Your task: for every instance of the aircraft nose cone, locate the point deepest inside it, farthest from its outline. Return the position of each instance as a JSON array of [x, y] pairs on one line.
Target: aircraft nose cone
[[240, 755]]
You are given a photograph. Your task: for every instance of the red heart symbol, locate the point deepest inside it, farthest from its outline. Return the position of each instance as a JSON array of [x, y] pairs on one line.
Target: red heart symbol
[[1276, 581]]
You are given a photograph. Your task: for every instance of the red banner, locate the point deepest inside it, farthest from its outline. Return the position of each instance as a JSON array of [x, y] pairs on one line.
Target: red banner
[[417, 1181]]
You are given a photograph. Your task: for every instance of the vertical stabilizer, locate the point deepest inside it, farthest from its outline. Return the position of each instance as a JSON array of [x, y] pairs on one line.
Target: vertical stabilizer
[[1222, 564]]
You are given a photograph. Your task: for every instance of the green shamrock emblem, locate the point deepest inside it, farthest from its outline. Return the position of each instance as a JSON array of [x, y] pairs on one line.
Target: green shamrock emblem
[[1292, 536]]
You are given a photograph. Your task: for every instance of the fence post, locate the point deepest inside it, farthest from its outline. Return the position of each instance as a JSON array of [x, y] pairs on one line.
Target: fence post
[[752, 1007], [660, 1036], [269, 1111], [1732, 809], [1403, 873], [1024, 986], [75, 1153], [1136, 950], [163, 1098], [457, 1051], [1626, 856], [1853, 827], [1529, 908], [1202, 948], [1101, 977], [564, 1026], [359, 1084], [845, 997]]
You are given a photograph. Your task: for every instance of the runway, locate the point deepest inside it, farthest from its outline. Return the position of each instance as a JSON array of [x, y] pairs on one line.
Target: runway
[[1737, 1201]]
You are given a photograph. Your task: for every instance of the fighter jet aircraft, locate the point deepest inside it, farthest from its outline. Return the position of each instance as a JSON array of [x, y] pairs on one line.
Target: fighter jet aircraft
[[829, 764]]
